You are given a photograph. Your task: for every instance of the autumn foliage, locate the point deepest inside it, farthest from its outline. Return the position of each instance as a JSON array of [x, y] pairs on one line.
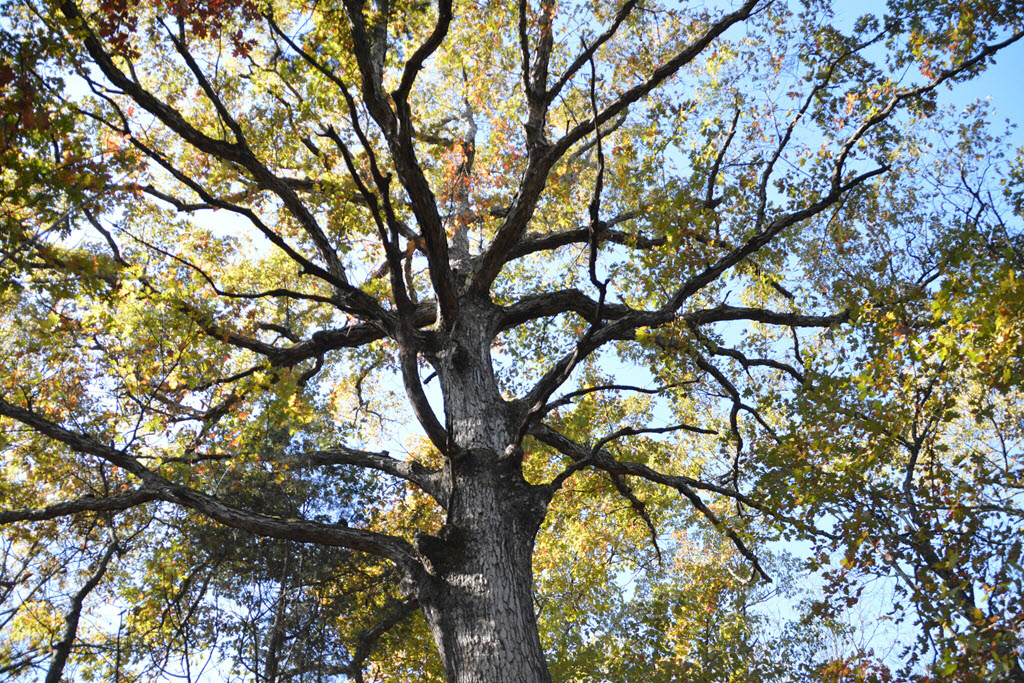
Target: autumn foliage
[[534, 341]]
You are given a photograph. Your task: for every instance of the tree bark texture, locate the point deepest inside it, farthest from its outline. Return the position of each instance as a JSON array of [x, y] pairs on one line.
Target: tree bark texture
[[479, 601], [478, 595]]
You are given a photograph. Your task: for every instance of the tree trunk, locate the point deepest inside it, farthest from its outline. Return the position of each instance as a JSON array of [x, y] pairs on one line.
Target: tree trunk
[[479, 604], [477, 596]]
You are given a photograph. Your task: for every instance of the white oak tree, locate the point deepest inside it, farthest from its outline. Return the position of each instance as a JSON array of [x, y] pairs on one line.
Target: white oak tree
[[585, 260]]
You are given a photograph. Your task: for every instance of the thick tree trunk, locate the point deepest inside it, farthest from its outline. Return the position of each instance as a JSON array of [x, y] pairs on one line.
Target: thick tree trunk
[[480, 601], [477, 596]]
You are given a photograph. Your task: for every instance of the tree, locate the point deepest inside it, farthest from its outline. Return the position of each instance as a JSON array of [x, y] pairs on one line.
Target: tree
[[233, 230], [922, 475]]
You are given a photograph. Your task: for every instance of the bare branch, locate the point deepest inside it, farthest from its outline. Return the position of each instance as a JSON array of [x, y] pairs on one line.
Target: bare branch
[[568, 397], [588, 52], [660, 75], [427, 479], [237, 153], [542, 155], [62, 649], [697, 282], [604, 461], [555, 303]]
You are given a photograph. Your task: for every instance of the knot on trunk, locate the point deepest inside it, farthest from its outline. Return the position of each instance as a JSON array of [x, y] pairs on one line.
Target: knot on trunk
[[432, 549], [514, 453], [441, 552]]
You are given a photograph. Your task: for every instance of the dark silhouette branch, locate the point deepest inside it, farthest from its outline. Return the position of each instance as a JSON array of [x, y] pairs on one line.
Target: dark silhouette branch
[[389, 547], [116, 503], [62, 649], [604, 461]]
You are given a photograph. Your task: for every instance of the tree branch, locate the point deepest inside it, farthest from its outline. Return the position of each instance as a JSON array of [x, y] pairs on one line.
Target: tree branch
[[660, 75], [605, 461], [590, 50], [555, 303], [84, 504], [427, 479], [568, 397], [697, 282], [237, 153], [62, 649], [396, 125], [542, 155], [395, 549]]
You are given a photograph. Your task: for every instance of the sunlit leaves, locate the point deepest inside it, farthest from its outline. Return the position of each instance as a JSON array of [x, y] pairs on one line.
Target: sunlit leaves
[[798, 268]]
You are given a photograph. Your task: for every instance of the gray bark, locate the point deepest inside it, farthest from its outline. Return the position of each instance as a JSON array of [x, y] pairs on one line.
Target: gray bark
[[479, 599], [477, 593]]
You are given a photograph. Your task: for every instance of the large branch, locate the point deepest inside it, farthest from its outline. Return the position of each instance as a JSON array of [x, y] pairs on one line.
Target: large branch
[[624, 328], [601, 459], [543, 156], [697, 282], [323, 341], [913, 94], [237, 152], [660, 75], [369, 49], [429, 480], [535, 73], [320, 343], [395, 549], [83, 504], [553, 240], [568, 397], [533, 243], [388, 231], [550, 304], [838, 187], [762, 315], [349, 298], [415, 63], [281, 292]]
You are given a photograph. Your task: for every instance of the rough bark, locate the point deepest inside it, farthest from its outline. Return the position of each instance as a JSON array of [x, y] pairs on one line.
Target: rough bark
[[478, 600], [477, 594]]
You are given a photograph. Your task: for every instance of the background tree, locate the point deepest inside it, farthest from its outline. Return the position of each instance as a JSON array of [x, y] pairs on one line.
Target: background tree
[[623, 266], [922, 477]]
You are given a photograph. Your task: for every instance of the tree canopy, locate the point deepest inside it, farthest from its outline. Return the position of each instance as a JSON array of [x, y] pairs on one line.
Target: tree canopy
[[480, 341]]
